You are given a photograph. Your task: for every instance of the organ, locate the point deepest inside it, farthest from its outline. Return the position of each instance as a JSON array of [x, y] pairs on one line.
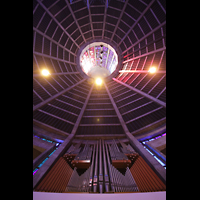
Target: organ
[[102, 167]]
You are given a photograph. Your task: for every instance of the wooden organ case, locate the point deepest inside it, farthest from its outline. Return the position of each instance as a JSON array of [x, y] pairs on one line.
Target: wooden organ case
[[101, 168]]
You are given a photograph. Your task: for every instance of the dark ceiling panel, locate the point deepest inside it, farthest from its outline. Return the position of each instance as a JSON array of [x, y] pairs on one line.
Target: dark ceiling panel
[[57, 7]]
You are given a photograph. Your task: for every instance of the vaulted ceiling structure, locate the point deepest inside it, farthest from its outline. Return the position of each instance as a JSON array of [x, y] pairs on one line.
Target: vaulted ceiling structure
[[68, 101]]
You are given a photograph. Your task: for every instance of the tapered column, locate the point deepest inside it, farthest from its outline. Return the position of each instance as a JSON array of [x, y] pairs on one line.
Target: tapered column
[[62, 148], [153, 163]]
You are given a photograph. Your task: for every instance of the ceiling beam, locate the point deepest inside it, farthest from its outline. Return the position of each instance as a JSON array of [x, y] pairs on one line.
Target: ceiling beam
[[55, 58], [119, 19], [99, 125], [142, 93], [100, 136], [136, 22], [56, 95], [152, 162], [145, 36], [50, 14], [147, 113], [90, 18], [140, 71], [145, 54], [62, 73], [104, 19], [75, 20], [52, 40], [49, 128]]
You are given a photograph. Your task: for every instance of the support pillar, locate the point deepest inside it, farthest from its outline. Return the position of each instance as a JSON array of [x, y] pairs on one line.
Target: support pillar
[[154, 164], [62, 148]]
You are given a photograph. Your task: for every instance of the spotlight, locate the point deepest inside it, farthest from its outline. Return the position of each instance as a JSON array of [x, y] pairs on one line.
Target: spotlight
[[45, 72], [98, 81], [152, 69]]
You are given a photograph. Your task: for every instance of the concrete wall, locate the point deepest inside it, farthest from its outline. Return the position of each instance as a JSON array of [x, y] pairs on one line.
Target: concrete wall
[[38, 143], [158, 144]]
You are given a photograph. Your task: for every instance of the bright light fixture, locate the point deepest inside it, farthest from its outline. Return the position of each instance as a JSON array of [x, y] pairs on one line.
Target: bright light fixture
[[45, 72], [152, 69], [98, 81]]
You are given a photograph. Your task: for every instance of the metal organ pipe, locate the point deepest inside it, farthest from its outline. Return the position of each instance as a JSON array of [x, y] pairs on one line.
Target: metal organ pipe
[[95, 180], [110, 170], [100, 169], [91, 170], [106, 179], [102, 175]]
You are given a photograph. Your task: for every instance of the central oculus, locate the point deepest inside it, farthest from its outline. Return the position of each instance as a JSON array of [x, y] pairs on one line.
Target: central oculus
[[98, 59]]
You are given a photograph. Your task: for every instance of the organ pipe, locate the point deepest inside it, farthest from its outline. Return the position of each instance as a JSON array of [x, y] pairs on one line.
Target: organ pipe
[[100, 169], [101, 174], [95, 180], [106, 179]]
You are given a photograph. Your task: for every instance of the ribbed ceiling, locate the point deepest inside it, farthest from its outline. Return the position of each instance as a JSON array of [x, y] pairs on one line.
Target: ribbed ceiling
[[60, 29]]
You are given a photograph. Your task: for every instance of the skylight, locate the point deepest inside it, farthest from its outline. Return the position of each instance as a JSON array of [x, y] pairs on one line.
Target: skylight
[[98, 59]]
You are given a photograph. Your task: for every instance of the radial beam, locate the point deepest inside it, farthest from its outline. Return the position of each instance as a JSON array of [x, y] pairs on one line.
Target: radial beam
[[145, 36], [152, 162], [62, 148], [52, 57], [52, 40], [55, 96], [142, 93], [145, 54], [90, 18], [63, 73], [104, 19], [136, 22], [119, 19], [140, 71], [75, 20], [51, 15]]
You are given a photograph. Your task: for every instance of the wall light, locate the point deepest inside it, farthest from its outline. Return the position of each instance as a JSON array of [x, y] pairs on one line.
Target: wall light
[[45, 72], [98, 81], [152, 69]]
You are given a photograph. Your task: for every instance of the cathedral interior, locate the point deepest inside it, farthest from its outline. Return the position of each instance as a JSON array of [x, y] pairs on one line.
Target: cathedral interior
[[99, 96]]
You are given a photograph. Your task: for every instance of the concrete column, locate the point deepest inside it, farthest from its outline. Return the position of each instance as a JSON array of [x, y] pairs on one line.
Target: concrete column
[[154, 164], [62, 148]]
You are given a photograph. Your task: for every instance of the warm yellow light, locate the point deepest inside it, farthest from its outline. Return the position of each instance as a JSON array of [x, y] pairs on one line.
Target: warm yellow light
[[152, 69], [98, 81], [45, 72]]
